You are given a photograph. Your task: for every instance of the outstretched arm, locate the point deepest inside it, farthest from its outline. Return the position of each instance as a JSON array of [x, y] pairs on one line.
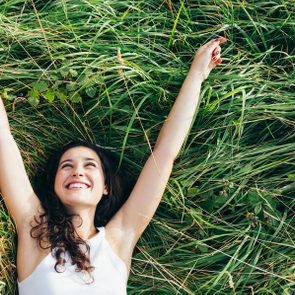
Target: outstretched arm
[[176, 127], [15, 186], [136, 213]]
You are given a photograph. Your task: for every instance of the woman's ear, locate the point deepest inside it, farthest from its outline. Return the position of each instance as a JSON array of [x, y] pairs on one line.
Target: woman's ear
[[105, 191]]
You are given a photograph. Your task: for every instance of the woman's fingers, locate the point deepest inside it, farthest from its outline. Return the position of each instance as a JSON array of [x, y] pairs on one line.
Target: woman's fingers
[[208, 57], [219, 61], [214, 63], [216, 57], [216, 51], [222, 39], [211, 45], [213, 41]]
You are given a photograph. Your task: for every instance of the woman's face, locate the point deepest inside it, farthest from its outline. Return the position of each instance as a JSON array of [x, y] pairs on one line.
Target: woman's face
[[79, 181]]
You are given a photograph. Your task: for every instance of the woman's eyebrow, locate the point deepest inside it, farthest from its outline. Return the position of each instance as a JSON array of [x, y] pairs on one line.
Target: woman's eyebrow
[[90, 159]]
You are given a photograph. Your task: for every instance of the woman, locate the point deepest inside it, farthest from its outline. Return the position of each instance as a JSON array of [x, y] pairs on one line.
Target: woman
[[102, 256]]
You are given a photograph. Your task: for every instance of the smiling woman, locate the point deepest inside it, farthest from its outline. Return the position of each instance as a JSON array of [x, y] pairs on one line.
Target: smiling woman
[[81, 184], [78, 235], [79, 180], [83, 179]]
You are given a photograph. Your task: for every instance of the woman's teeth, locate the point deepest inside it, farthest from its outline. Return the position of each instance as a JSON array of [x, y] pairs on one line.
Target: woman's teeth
[[77, 185]]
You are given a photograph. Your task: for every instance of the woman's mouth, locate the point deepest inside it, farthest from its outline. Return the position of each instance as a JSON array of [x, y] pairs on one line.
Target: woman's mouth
[[77, 185]]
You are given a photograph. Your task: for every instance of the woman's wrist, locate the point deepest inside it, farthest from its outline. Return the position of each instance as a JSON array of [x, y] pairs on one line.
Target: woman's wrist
[[197, 74]]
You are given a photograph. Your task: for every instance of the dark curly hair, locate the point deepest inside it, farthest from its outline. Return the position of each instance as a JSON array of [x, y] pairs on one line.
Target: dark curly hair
[[53, 228]]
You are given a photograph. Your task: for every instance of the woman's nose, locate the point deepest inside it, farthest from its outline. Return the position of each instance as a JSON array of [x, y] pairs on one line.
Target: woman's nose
[[78, 171]]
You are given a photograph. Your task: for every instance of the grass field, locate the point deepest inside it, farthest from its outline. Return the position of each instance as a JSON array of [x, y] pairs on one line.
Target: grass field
[[226, 222]]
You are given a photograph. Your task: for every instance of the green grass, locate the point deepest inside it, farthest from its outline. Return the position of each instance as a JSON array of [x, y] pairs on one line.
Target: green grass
[[226, 222]]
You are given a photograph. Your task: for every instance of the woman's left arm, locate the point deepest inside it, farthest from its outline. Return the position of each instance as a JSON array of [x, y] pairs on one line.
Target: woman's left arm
[[176, 126], [144, 199]]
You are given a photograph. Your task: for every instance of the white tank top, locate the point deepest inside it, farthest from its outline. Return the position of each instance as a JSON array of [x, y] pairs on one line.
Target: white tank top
[[110, 274]]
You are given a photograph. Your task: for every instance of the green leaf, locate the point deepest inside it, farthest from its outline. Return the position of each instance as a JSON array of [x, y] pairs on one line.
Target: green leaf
[[91, 91], [33, 97], [84, 77], [55, 77], [207, 205], [50, 95], [33, 101], [72, 86], [193, 191], [81, 79], [61, 96], [220, 200], [6, 95], [76, 98], [253, 198], [291, 176], [64, 71], [40, 86], [274, 203], [34, 93], [257, 208], [73, 73]]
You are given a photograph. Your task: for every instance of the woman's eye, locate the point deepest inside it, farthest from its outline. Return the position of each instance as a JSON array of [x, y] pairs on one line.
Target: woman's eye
[[66, 165], [90, 164]]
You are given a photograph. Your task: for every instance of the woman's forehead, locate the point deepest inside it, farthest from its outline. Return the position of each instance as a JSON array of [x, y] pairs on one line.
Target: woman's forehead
[[79, 152]]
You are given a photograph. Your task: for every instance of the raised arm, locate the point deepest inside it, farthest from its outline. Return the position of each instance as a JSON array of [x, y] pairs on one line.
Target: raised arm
[[140, 207], [15, 187], [177, 125]]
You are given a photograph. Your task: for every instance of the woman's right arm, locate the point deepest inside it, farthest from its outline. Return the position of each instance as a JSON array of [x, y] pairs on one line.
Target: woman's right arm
[[15, 186]]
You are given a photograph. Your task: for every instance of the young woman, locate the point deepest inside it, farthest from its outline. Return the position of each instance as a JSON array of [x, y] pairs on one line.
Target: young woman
[[61, 250]]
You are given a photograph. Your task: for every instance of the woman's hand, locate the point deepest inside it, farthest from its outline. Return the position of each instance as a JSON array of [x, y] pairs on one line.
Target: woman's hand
[[207, 57]]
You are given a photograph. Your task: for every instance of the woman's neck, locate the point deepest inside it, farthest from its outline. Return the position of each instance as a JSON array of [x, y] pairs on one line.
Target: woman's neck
[[84, 225]]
